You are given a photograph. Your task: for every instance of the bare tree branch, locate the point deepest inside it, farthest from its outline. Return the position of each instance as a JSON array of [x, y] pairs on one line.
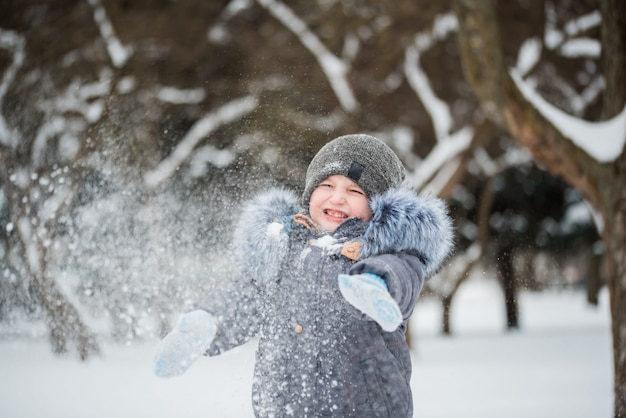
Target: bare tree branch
[[118, 53], [225, 114], [335, 69], [15, 44]]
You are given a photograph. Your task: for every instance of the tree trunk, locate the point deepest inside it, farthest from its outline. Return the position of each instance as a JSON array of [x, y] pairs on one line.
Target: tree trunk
[[614, 198], [62, 318], [603, 185], [509, 286], [446, 304], [594, 279], [614, 55], [615, 241]]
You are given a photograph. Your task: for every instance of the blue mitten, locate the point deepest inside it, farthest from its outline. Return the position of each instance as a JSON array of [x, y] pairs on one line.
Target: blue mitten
[[368, 293], [189, 339]]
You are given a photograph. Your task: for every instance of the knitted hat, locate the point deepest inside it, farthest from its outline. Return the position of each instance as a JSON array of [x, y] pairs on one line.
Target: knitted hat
[[364, 159]]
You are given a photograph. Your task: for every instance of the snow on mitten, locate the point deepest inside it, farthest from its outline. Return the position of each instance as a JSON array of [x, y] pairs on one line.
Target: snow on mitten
[[189, 339], [368, 293]]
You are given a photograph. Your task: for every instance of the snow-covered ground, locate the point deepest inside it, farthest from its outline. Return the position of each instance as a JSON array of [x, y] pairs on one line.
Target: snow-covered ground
[[557, 365]]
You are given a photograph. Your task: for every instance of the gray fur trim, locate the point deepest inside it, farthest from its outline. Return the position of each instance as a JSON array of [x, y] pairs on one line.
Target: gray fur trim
[[260, 239], [404, 221]]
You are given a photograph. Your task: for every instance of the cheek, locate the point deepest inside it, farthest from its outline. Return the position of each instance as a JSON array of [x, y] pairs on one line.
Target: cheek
[[362, 210], [367, 214], [315, 201]]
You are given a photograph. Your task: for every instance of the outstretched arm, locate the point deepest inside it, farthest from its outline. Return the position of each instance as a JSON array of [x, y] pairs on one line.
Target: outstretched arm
[[223, 320], [385, 288], [236, 310], [403, 274]]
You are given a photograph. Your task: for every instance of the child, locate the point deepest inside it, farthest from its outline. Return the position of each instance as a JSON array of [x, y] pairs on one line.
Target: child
[[327, 287]]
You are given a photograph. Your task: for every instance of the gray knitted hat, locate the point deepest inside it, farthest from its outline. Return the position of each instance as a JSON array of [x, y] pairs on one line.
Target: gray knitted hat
[[364, 159]]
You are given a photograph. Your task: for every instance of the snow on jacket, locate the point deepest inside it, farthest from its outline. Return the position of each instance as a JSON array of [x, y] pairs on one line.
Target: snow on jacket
[[318, 356]]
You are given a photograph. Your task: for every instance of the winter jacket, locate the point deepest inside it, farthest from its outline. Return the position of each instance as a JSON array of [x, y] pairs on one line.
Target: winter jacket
[[318, 356]]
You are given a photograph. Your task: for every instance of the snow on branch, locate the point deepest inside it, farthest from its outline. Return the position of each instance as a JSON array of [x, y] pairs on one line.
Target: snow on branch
[[603, 141], [449, 144], [439, 111], [55, 126], [528, 58], [217, 33], [567, 41], [78, 97], [118, 53], [180, 96], [203, 127], [334, 68], [11, 41], [443, 153], [512, 157]]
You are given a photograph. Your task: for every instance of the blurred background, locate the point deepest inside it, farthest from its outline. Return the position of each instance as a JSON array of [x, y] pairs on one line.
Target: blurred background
[[130, 131]]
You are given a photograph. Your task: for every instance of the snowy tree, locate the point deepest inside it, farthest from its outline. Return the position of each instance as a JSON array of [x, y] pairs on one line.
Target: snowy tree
[[39, 184], [589, 155]]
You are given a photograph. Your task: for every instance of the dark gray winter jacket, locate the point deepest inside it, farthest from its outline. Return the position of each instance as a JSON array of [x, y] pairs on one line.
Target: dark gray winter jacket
[[318, 356]]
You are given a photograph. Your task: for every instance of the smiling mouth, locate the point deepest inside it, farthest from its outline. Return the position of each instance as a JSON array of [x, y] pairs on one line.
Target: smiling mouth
[[335, 214]]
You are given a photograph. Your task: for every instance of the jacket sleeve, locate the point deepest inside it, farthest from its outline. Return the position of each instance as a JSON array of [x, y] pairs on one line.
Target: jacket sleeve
[[236, 309], [403, 274]]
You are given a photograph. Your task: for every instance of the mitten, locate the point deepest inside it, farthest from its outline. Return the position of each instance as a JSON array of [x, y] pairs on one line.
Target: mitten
[[368, 293], [189, 339]]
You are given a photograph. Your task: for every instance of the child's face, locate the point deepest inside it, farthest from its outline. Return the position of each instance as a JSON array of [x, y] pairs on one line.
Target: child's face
[[336, 199]]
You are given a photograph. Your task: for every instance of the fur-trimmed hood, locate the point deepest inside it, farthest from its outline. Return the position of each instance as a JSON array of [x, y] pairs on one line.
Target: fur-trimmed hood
[[401, 221], [404, 221], [260, 241]]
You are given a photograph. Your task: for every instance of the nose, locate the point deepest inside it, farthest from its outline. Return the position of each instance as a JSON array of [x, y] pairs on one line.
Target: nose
[[337, 197]]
